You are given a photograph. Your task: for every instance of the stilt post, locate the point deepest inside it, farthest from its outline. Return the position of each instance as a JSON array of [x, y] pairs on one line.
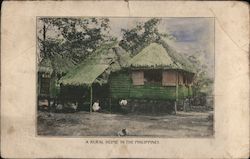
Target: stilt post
[[110, 102], [176, 92], [91, 96], [175, 107]]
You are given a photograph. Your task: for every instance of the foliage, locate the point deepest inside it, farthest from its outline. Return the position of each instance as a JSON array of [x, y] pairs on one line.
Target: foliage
[[202, 82], [71, 38], [137, 38]]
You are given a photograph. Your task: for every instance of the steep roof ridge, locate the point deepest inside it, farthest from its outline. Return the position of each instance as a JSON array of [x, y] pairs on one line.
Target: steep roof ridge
[[154, 55]]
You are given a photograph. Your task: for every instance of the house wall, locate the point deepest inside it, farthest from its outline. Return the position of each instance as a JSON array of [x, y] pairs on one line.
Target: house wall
[[153, 92], [121, 86], [44, 85], [47, 86]]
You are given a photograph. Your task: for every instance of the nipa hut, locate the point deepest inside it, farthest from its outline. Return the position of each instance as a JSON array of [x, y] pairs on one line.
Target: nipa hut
[[156, 73], [89, 80], [44, 76], [48, 72]]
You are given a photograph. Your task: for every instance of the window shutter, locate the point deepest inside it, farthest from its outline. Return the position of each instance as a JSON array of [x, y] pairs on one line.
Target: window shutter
[[168, 78], [138, 78]]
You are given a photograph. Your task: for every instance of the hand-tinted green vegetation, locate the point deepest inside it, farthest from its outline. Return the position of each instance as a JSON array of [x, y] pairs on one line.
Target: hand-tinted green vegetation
[[69, 43]]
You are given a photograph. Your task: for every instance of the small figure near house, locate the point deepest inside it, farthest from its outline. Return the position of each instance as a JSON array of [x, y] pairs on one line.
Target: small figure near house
[[186, 104], [74, 106], [123, 106], [96, 107], [123, 102], [123, 132], [59, 108]]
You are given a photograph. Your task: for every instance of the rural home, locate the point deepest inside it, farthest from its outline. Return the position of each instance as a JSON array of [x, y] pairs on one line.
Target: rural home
[[89, 81], [156, 73], [44, 81], [153, 73], [48, 88]]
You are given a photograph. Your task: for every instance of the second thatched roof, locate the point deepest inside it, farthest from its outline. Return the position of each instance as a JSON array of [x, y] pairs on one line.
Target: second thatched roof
[[160, 56]]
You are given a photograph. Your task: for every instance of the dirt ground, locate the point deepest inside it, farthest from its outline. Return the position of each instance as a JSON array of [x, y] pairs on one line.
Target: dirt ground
[[183, 124]]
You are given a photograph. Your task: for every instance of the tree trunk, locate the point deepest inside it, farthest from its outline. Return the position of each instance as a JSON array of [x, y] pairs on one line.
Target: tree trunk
[[44, 38]]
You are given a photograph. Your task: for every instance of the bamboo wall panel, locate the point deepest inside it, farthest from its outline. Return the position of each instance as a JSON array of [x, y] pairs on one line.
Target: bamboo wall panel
[[121, 87]]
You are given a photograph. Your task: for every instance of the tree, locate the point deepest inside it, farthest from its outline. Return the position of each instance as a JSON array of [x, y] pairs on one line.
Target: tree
[[202, 82], [71, 38], [141, 35], [43, 41]]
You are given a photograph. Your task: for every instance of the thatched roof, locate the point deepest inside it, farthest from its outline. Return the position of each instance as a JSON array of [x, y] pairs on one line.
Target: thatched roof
[[182, 61], [85, 74], [102, 62], [157, 56]]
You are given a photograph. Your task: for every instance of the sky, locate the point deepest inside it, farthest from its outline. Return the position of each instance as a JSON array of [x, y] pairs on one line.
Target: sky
[[192, 35], [187, 31]]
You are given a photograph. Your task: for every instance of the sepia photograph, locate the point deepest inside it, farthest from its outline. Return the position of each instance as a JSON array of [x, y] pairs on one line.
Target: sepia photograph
[[106, 76]]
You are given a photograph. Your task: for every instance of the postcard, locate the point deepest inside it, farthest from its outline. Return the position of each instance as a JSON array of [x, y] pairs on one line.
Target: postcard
[[125, 79]]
